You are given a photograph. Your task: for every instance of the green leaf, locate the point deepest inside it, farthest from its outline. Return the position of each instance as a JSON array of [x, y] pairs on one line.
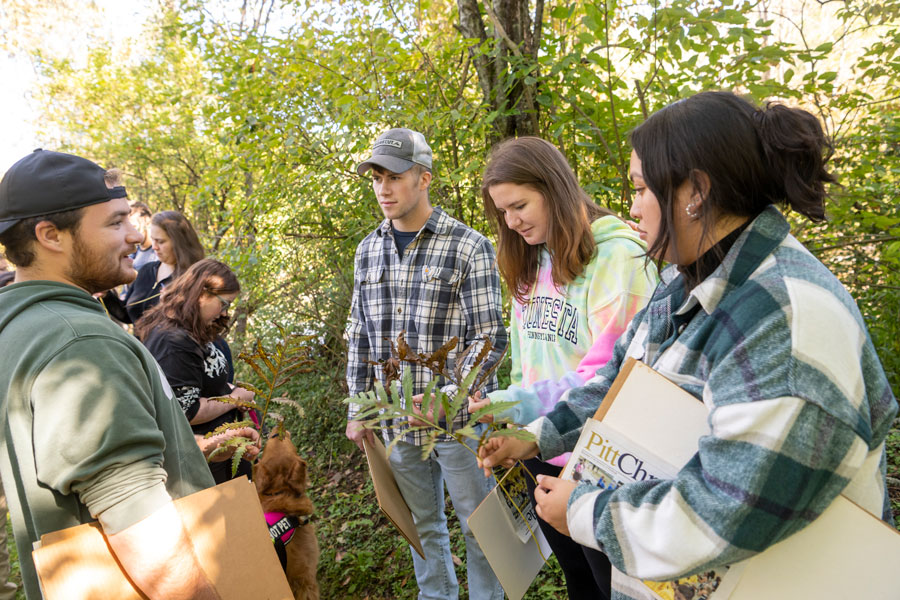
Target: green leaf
[[407, 386], [236, 459], [381, 393], [494, 408], [427, 398], [514, 432]]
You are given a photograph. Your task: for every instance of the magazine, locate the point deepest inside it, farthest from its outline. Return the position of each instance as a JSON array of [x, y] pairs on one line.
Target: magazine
[[519, 511], [607, 460]]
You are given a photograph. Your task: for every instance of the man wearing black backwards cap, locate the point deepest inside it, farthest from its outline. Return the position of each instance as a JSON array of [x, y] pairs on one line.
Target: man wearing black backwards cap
[[429, 275], [88, 427]]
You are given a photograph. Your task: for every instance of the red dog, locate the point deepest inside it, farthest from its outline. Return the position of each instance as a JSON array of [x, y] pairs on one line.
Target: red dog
[[281, 481]]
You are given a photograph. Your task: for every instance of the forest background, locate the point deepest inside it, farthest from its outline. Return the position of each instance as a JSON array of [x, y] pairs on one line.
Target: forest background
[[250, 116]]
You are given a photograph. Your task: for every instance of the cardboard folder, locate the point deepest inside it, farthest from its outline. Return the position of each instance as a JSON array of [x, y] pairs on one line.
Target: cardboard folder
[[390, 500], [226, 527]]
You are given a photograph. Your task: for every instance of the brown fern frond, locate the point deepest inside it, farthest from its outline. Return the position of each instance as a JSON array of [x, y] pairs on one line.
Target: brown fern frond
[[236, 402], [438, 359], [261, 352], [403, 349], [485, 375], [251, 360], [249, 387], [460, 361], [485, 351]]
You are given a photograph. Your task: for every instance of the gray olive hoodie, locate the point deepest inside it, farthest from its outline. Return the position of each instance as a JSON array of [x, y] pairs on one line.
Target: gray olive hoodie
[[88, 426]]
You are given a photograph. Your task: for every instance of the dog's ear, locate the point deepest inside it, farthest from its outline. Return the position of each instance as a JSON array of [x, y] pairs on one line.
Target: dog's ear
[[262, 478], [298, 477]]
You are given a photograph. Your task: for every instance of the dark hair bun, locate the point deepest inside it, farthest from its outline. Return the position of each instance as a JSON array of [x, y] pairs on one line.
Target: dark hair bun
[[796, 150]]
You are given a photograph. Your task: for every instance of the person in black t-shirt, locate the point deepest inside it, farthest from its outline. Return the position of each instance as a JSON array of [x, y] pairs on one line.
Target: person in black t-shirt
[[180, 331]]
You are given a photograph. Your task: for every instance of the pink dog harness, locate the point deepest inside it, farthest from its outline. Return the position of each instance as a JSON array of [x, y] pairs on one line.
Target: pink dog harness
[[281, 530]]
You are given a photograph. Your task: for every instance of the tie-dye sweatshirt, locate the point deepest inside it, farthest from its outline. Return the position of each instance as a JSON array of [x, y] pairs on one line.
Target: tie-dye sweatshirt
[[560, 337]]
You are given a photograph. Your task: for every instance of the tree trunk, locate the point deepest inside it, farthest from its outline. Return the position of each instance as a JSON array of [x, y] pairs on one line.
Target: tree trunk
[[502, 73]]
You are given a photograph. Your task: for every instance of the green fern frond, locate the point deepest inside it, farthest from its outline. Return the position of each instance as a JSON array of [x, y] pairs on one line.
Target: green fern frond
[[225, 427], [236, 459], [513, 432]]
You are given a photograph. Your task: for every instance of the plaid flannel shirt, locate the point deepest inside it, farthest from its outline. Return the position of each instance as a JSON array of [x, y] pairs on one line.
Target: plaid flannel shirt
[[446, 284], [799, 407]]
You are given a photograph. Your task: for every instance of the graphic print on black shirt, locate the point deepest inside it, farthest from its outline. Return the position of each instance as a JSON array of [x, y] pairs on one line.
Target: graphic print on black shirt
[[193, 371]]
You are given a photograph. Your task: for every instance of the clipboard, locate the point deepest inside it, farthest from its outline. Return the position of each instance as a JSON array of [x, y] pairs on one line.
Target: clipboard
[[514, 562]]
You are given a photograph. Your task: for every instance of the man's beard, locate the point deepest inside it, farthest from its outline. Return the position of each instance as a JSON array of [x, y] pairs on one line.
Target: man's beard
[[94, 271]]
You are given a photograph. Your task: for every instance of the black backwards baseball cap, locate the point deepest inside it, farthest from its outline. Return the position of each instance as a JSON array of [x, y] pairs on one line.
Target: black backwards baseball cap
[[46, 182], [398, 150]]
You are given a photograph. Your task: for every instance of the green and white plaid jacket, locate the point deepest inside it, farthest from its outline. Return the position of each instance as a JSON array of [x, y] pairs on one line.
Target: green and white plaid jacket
[[799, 408]]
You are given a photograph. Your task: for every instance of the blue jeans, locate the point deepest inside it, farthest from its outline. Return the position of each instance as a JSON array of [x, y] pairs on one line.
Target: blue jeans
[[422, 485]]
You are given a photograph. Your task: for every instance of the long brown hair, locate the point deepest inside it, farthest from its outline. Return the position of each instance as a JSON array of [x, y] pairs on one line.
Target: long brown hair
[[185, 242], [538, 164], [179, 306]]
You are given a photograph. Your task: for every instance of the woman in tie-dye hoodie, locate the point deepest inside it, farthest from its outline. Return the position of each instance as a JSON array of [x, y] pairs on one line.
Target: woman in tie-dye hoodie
[[577, 275]]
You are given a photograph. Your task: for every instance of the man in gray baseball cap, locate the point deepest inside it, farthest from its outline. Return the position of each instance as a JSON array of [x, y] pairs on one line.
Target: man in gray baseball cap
[[90, 428], [424, 273], [398, 150]]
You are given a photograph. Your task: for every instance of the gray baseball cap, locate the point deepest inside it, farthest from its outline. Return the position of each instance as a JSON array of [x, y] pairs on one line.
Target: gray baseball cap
[[397, 150]]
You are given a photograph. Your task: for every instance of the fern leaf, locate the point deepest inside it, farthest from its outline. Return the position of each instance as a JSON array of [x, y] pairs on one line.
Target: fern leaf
[[460, 362], [392, 444], [250, 360], [438, 359], [228, 427], [403, 349], [462, 394], [445, 404], [466, 432], [494, 408], [236, 459], [486, 375], [407, 386], [287, 402], [216, 452], [428, 446], [519, 434], [395, 391], [381, 393], [265, 357], [250, 387], [236, 402], [484, 352], [466, 383], [428, 398]]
